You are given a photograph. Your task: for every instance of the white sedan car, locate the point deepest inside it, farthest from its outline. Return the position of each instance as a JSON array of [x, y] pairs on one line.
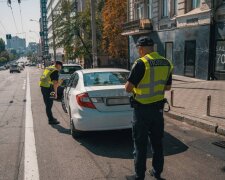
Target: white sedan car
[[95, 100]]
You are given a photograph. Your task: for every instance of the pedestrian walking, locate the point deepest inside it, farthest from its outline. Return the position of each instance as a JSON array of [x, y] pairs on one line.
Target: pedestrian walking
[[49, 83], [150, 77]]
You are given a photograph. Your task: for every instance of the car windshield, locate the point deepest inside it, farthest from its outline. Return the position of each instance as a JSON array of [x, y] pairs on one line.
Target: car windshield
[[105, 78], [14, 65], [69, 69]]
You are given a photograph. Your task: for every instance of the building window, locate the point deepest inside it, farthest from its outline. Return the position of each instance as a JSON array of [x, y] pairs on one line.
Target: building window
[[139, 10], [175, 7], [164, 8], [195, 4], [150, 8]]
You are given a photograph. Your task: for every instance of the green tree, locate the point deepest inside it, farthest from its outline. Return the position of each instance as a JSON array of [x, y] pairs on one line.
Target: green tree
[[3, 60], [73, 29], [63, 29], [2, 45], [5, 54]]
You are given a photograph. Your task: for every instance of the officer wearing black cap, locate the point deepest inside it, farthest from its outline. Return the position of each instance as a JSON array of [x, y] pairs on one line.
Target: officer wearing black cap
[[150, 77], [48, 83]]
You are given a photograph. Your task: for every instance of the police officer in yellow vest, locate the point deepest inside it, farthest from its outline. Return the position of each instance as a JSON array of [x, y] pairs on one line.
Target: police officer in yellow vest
[[49, 83], [150, 77]]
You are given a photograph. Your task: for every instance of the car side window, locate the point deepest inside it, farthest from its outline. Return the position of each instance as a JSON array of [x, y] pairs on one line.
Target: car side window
[[75, 80]]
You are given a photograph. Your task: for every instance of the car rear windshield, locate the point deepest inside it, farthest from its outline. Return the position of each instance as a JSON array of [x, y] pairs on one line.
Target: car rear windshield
[[14, 65], [105, 78], [69, 69]]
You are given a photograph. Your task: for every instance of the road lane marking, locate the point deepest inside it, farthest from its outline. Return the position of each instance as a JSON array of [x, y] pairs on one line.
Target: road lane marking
[[31, 171], [24, 84]]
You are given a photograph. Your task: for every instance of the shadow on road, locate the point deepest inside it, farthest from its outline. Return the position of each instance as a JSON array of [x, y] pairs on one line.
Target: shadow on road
[[61, 129], [119, 144]]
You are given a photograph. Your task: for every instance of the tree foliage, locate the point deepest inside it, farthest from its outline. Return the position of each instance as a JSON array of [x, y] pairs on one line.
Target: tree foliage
[[2, 45], [73, 29], [114, 15]]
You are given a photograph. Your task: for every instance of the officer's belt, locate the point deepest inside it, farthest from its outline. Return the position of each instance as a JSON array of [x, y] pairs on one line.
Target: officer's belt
[[158, 104]]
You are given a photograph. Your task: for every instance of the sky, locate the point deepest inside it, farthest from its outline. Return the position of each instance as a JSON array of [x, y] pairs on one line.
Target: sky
[[30, 9]]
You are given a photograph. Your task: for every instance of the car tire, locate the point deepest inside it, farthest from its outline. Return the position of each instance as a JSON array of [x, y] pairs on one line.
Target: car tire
[[74, 132]]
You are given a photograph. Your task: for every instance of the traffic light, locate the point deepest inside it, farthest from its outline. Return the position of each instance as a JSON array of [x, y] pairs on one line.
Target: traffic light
[[9, 1], [8, 36], [19, 1]]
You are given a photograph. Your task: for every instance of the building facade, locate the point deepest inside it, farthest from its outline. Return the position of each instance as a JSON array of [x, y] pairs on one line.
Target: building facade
[[44, 31], [19, 44], [185, 31], [52, 7]]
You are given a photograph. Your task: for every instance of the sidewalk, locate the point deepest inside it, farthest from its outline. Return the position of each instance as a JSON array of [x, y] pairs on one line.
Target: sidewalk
[[190, 103]]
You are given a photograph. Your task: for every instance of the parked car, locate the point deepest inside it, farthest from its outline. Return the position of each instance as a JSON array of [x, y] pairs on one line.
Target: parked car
[[2, 68], [14, 68], [66, 72], [21, 66], [95, 100]]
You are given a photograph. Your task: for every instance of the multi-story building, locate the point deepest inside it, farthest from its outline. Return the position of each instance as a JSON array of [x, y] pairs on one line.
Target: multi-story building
[[53, 6], [191, 33], [32, 47], [19, 44], [44, 31]]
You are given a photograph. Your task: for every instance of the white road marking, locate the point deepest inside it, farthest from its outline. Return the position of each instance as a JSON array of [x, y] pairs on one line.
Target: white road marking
[[31, 171], [24, 85]]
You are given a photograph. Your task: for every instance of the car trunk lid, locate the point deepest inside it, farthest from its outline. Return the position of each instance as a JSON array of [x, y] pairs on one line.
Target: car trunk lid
[[109, 98]]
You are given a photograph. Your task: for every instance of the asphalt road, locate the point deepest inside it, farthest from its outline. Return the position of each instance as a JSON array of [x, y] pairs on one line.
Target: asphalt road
[[189, 152]]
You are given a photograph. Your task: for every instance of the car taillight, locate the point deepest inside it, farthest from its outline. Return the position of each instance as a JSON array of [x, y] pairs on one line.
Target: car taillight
[[84, 101]]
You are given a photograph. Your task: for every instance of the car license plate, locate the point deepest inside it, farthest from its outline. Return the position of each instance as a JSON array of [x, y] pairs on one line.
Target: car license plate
[[117, 101]]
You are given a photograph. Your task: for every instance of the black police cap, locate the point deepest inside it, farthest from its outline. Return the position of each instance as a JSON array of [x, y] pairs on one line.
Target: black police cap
[[145, 41], [59, 63]]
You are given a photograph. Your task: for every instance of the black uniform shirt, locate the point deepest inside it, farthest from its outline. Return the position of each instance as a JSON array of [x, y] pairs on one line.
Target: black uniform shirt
[[138, 72], [54, 76]]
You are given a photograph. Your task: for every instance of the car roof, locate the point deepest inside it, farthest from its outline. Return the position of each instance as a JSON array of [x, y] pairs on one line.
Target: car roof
[[84, 71], [71, 65]]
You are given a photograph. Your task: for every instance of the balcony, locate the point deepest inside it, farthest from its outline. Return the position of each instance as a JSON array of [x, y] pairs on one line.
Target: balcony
[[140, 26]]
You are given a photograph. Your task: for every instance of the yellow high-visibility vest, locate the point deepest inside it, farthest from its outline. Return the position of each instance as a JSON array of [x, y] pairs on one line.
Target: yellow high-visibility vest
[[152, 86], [45, 79]]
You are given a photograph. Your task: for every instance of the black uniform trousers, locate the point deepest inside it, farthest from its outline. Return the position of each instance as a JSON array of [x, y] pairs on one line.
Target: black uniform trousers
[[48, 101], [148, 123]]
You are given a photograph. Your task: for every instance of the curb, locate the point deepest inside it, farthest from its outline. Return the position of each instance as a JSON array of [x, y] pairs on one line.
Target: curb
[[197, 122]]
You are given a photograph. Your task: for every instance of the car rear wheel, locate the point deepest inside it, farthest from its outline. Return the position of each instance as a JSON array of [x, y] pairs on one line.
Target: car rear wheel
[[74, 132]]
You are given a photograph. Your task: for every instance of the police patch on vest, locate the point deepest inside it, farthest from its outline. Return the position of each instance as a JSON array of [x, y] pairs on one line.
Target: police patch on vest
[[159, 62]]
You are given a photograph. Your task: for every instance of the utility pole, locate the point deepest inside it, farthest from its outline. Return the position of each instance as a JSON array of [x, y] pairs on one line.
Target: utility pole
[[53, 34], [94, 39]]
